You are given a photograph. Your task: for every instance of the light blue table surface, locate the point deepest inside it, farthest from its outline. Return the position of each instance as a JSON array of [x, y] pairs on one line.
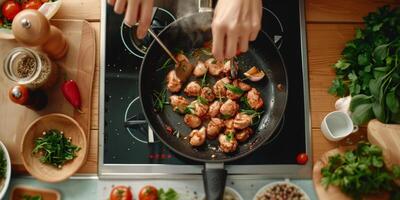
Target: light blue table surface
[[93, 189]]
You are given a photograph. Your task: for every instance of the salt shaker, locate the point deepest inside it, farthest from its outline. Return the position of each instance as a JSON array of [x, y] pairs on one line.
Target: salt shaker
[[32, 28]]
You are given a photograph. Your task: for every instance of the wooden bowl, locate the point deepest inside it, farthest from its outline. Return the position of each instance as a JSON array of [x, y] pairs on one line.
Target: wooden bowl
[[21, 190], [46, 172]]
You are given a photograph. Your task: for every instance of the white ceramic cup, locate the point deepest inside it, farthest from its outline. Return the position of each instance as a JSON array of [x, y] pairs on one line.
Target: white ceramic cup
[[337, 125]]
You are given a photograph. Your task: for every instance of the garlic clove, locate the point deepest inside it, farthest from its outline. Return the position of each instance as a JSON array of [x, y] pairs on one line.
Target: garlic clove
[[254, 74]]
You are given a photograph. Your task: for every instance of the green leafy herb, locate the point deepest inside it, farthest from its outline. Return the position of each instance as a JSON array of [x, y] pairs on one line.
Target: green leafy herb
[[3, 164], [369, 66], [206, 51], [160, 100], [189, 110], [202, 100], [234, 89], [204, 80], [255, 114], [166, 64], [170, 194], [225, 116], [55, 149], [29, 197], [359, 172], [230, 136]]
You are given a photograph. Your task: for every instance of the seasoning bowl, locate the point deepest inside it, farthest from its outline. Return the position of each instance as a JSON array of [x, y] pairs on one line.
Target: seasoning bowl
[[263, 189], [337, 125], [47, 194], [232, 192], [47, 172], [48, 9], [4, 183]]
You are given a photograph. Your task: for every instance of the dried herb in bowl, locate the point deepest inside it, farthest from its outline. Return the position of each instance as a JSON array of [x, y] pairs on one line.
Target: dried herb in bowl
[[54, 148], [3, 164]]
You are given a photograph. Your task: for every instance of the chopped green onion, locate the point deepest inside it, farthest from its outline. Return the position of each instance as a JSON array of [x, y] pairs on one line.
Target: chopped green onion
[[234, 89]]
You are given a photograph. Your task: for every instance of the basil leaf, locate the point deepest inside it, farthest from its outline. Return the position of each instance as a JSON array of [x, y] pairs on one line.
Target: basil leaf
[[362, 59], [362, 114], [234, 89], [381, 52], [374, 87], [202, 100], [358, 100], [392, 102], [342, 64], [379, 111]]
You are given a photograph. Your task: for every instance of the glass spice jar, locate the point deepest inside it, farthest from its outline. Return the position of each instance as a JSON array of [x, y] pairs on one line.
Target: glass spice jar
[[30, 68]]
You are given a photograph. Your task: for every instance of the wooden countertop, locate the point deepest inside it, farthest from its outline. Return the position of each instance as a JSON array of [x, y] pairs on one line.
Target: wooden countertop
[[329, 25]]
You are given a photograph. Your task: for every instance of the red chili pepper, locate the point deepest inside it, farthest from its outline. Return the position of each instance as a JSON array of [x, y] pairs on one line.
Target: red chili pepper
[[70, 91]]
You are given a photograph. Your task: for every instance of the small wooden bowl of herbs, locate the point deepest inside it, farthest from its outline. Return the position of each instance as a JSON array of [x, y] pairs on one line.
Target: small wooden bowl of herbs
[[53, 148]]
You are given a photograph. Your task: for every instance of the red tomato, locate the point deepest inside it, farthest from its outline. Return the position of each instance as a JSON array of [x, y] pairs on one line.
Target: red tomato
[[121, 193], [10, 9], [302, 158], [32, 4], [148, 192]]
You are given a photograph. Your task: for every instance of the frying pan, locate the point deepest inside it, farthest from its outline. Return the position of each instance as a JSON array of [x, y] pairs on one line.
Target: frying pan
[[192, 32]]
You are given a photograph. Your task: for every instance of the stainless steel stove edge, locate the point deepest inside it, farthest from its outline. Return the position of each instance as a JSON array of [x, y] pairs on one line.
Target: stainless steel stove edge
[[159, 171]]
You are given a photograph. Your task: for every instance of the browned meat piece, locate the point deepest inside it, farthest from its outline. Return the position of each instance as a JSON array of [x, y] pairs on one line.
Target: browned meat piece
[[243, 86], [229, 108], [229, 124], [244, 134], [214, 127], [254, 99], [227, 143], [214, 109], [174, 84], [197, 137], [214, 67], [193, 89], [207, 94], [200, 69], [184, 68], [219, 87], [197, 108], [178, 103], [242, 121], [192, 120]]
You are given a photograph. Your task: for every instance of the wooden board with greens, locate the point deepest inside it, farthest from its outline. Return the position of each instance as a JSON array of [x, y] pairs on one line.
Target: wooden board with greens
[[30, 197], [55, 148], [369, 69], [360, 172]]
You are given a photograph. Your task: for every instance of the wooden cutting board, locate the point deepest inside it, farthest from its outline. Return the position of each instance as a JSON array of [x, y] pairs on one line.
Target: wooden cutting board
[[78, 64]]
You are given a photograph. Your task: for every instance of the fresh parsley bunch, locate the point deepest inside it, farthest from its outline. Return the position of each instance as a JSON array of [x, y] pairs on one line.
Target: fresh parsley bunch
[[369, 69], [360, 172]]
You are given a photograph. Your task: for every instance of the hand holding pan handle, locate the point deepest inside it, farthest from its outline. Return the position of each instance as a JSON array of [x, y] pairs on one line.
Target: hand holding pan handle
[[214, 179]]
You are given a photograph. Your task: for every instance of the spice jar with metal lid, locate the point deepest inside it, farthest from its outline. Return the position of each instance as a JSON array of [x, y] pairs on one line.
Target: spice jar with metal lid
[[30, 68], [35, 100]]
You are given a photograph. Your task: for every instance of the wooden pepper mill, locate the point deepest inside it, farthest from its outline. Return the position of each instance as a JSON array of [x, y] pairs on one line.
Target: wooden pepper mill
[[31, 28]]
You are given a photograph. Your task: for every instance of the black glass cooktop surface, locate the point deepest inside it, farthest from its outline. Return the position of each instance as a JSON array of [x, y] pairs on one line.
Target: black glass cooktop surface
[[126, 139]]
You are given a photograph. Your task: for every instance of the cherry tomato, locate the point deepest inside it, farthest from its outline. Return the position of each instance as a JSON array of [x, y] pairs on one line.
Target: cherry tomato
[[10, 9], [302, 158], [121, 193], [148, 192], [32, 4]]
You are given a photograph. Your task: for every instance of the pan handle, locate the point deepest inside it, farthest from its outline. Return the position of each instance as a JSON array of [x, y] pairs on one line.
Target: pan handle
[[214, 177], [205, 6]]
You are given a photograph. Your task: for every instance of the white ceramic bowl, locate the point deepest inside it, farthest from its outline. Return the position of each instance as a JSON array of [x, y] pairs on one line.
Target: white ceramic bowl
[[270, 185], [6, 182], [49, 9], [231, 191]]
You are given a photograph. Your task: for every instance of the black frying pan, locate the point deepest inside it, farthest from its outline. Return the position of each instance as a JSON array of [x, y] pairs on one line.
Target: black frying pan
[[192, 32]]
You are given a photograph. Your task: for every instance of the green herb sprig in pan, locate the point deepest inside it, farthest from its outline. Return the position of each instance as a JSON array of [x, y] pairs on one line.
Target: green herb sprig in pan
[[360, 172], [369, 69], [55, 149]]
